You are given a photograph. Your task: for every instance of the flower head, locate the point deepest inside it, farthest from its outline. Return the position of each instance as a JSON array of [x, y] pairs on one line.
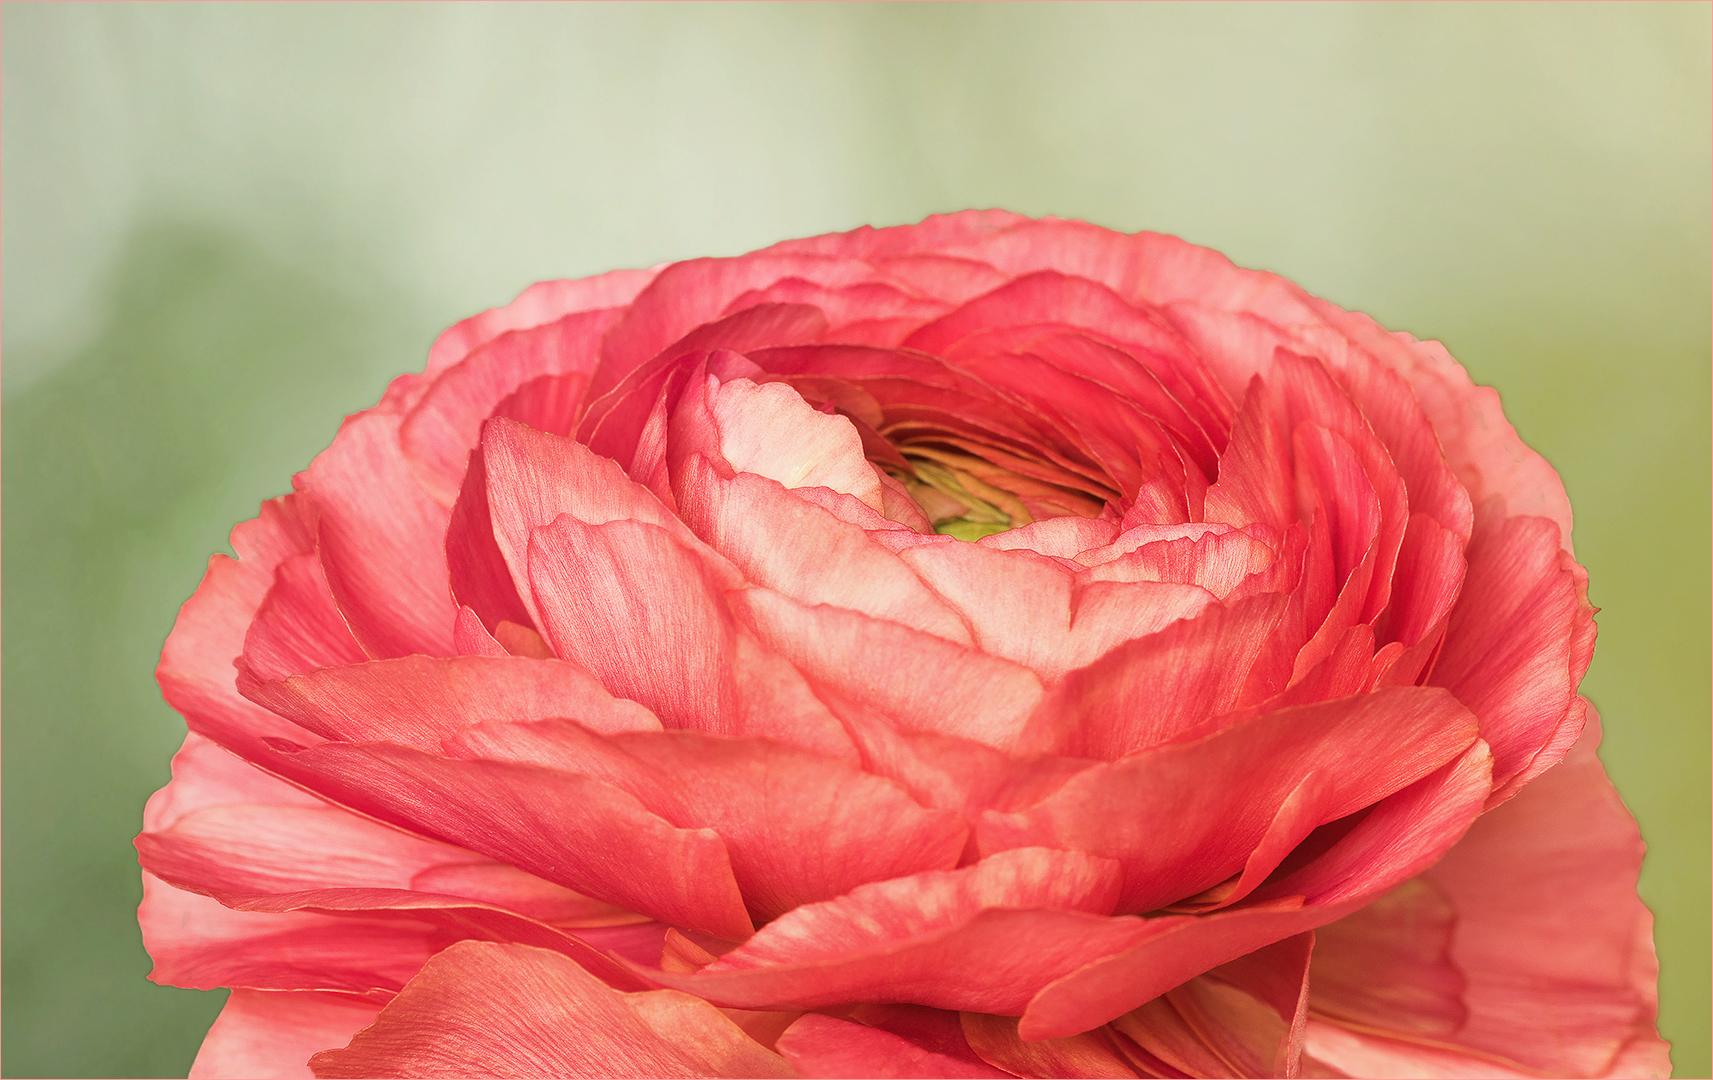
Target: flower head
[[985, 647]]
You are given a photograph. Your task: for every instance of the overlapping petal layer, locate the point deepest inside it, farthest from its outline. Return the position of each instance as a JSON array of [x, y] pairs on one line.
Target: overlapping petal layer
[[986, 647]]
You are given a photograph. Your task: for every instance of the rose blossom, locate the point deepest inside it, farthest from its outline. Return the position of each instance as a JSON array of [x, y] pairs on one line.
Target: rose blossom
[[985, 647]]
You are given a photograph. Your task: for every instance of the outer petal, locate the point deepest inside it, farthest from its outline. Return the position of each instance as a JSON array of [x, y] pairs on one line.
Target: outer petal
[[984, 938], [1557, 947], [543, 302], [1184, 817], [420, 700], [382, 540], [481, 1009], [798, 826], [270, 1036], [569, 829]]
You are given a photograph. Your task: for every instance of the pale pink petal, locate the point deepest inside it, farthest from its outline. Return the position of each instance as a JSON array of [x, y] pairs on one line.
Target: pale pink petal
[[382, 540], [1390, 966], [486, 1009], [1064, 537], [1556, 946], [798, 826], [197, 942], [921, 682], [420, 700], [826, 561], [770, 431], [261, 1035], [821, 1046], [205, 774], [1032, 610]]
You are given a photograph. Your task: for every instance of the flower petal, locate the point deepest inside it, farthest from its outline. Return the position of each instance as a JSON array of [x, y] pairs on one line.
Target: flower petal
[[486, 1009], [821, 1046], [798, 826], [420, 700], [270, 1036]]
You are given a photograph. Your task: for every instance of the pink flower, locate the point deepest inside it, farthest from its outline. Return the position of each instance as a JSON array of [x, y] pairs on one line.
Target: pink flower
[[985, 647]]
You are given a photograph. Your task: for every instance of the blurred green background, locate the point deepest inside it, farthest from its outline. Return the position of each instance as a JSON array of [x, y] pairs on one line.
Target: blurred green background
[[226, 226]]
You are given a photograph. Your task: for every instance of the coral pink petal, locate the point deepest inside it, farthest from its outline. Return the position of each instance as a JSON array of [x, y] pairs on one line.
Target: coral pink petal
[[1150, 690], [1554, 942], [198, 942], [489, 1009], [1063, 537], [204, 774], [1176, 833], [696, 293], [923, 682], [827, 562], [445, 424], [420, 700], [533, 477], [984, 938], [799, 826], [270, 1036], [298, 627], [382, 541], [569, 829], [1086, 1055], [543, 302], [1390, 967], [1520, 637], [1399, 838], [479, 576], [821, 1046], [642, 612]]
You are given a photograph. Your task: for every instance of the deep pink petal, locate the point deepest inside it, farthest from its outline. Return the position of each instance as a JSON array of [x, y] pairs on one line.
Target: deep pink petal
[[480, 579], [299, 627], [197, 942], [798, 826], [270, 1036], [486, 1009], [420, 700]]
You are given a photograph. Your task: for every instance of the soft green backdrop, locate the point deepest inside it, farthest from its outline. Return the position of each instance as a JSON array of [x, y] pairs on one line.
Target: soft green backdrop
[[227, 226]]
